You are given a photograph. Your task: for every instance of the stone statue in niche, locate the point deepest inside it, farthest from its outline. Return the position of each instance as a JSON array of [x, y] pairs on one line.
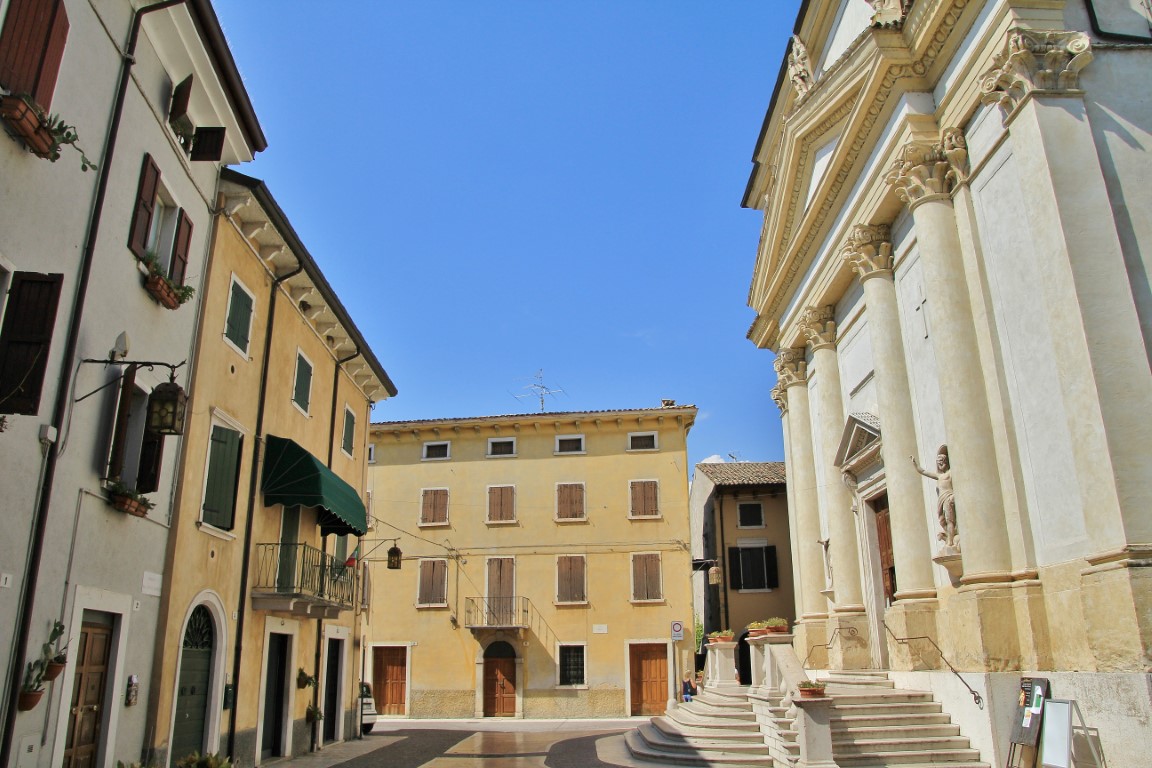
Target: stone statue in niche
[[945, 499], [800, 67]]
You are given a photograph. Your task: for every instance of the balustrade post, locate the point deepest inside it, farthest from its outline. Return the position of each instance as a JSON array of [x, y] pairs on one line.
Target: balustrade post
[[814, 732], [722, 665]]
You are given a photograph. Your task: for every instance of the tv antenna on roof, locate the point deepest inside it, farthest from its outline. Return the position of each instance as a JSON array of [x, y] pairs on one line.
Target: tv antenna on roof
[[539, 390]]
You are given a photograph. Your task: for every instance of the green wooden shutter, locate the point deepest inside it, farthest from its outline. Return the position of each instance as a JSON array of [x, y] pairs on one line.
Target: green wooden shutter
[[349, 432], [239, 317], [303, 390], [223, 475]]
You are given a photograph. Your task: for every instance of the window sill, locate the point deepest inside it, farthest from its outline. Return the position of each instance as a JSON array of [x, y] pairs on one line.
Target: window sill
[[501, 455], [436, 458], [751, 527], [212, 530], [570, 453], [420, 606], [445, 524], [499, 523], [243, 353], [577, 687], [642, 450], [755, 591], [569, 520], [657, 601], [570, 604], [646, 517]]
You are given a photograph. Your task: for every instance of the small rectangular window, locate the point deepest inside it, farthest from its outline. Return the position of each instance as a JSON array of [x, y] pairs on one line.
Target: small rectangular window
[[750, 515], [646, 583], [501, 446], [433, 589], [349, 440], [571, 579], [302, 391], [570, 665], [434, 506], [238, 324], [570, 501], [440, 450], [219, 509], [570, 444], [644, 499], [642, 441], [502, 504]]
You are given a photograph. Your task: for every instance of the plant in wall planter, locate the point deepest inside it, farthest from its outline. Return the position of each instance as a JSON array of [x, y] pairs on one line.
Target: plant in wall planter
[[128, 500], [721, 636], [166, 293], [303, 679], [774, 624], [313, 714], [54, 658], [42, 134], [811, 689], [197, 760]]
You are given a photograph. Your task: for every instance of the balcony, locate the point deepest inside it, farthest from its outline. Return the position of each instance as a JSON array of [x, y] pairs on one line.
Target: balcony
[[302, 580], [496, 613]]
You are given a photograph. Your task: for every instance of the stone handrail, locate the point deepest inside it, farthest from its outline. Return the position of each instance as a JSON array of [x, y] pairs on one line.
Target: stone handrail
[[777, 672]]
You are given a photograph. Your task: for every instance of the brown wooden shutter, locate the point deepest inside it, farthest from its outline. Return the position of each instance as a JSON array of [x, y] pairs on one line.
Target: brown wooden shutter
[[433, 582], [120, 429], [501, 504], [142, 210], [570, 501], [570, 579], [435, 506], [646, 577], [178, 108], [180, 248], [26, 339], [31, 48], [644, 498], [151, 457], [208, 144]]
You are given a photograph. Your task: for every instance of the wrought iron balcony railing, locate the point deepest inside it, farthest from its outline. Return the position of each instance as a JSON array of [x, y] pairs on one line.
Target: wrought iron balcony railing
[[496, 612], [302, 579]]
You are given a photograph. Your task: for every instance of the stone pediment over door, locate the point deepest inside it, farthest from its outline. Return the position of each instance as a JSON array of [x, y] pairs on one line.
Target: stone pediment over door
[[859, 447]]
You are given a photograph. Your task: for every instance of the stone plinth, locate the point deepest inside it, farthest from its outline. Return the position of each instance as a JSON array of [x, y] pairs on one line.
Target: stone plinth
[[721, 665], [814, 732]]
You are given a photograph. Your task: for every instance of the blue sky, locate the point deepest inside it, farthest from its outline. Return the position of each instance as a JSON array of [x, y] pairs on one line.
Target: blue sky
[[496, 188]]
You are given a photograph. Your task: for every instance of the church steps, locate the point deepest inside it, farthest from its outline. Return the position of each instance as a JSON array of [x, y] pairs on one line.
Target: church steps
[[658, 738], [642, 750]]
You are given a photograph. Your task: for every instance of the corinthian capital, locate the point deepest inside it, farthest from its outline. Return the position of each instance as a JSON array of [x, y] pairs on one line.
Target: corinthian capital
[[791, 367], [819, 326], [1035, 60], [868, 250], [780, 397], [921, 172]]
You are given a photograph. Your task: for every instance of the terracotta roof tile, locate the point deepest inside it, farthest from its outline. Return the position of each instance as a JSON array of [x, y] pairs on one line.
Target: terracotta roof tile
[[745, 472]]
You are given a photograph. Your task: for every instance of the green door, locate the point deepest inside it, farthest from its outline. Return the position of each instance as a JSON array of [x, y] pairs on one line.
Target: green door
[[192, 686]]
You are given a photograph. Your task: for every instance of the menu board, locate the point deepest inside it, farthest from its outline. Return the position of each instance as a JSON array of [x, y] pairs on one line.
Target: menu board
[[1030, 710]]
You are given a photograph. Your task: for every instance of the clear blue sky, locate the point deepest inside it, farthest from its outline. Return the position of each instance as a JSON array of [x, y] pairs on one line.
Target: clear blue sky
[[496, 187]]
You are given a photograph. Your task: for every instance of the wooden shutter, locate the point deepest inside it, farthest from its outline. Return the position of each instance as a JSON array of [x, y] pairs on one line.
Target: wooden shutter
[[32, 47], [570, 579], [735, 571], [303, 390], [771, 570], [644, 498], [501, 504], [120, 427], [151, 456], [433, 582], [143, 208], [570, 501], [434, 508], [178, 109], [223, 477], [180, 248], [208, 144], [239, 320], [26, 338], [646, 577]]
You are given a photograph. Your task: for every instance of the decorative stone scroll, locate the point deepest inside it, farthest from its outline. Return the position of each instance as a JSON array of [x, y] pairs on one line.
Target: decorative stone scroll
[[791, 367], [819, 325], [780, 397], [887, 12], [868, 250], [1035, 60], [800, 67]]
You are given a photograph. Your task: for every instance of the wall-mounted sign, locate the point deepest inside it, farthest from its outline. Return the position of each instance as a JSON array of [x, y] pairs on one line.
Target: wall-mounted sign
[[677, 630]]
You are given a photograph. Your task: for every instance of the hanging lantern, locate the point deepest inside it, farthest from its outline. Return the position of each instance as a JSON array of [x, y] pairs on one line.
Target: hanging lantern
[[714, 577], [166, 408], [394, 556]]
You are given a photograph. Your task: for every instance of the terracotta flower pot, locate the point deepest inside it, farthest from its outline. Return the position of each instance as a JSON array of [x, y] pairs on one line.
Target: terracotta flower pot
[[130, 505], [28, 700], [758, 632], [53, 670], [721, 639], [781, 630], [811, 693], [161, 291], [26, 124]]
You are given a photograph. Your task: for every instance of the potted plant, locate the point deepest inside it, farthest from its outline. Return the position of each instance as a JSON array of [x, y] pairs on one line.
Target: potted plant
[[313, 714], [303, 679], [53, 658], [44, 135], [811, 689], [166, 293], [775, 624], [33, 686], [128, 500], [197, 760], [721, 636]]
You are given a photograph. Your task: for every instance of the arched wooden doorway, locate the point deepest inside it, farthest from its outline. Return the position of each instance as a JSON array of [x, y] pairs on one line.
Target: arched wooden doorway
[[499, 680], [193, 681]]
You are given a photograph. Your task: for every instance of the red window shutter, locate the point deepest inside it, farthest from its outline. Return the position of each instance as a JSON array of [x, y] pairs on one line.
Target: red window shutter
[[120, 427], [180, 248], [26, 339], [145, 204], [31, 48]]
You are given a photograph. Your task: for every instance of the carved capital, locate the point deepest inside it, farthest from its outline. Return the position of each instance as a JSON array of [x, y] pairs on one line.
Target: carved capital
[[921, 172], [868, 250], [1035, 60], [780, 397], [800, 67], [886, 12], [819, 326], [791, 367]]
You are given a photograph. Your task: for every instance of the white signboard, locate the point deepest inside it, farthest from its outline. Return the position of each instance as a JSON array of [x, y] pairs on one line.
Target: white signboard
[[599, 629], [677, 630], [152, 584]]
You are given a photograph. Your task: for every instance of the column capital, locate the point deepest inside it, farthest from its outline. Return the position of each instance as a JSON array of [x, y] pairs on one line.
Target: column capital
[[819, 326], [925, 171], [791, 367], [1035, 60], [887, 11], [780, 397], [869, 251]]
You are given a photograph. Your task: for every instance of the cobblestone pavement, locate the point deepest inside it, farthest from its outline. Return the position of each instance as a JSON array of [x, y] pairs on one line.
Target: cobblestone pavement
[[480, 744]]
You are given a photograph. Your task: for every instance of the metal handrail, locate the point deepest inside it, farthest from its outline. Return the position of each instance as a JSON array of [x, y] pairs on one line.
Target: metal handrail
[[905, 640], [300, 569], [850, 631], [496, 612]]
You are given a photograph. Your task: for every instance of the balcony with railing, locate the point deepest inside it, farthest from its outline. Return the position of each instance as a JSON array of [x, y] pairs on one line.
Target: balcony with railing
[[496, 613], [302, 580]]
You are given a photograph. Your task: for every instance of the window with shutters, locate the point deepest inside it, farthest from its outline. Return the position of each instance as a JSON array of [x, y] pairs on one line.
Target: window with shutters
[[238, 322], [570, 444], [752, 567], [646, 582], [642, 441], [434, 506], [136, 453], [436, 451], [348, 442], [302, 386], [570, 664], [433, 587], [502, 504], [160, 233], [571, 579], [223, 476], [501, 446], [371, 453], [570, 502], [750, 515], [645, 495], [32, 44], [26, 339]]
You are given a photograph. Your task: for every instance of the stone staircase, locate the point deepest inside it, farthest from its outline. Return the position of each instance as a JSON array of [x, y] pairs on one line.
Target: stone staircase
[[873, 725]]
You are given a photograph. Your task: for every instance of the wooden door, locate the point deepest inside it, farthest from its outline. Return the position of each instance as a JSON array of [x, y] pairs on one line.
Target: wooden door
[[501, 591], [389, 679], [86, 717], [648, 666], [500, 687], [192, 687], [272, 737], [884, 540]]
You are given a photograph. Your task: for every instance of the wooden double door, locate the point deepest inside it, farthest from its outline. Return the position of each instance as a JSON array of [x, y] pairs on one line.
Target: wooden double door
[[390, 679], [648, 665], [500, 680]]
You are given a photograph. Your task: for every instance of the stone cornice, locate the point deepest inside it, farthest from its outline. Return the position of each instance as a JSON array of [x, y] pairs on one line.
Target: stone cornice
[[1035, 61]]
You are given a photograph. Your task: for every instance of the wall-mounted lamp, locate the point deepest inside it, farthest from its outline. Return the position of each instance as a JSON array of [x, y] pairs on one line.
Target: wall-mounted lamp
[[394, 558], [715, 577], [168, 403]]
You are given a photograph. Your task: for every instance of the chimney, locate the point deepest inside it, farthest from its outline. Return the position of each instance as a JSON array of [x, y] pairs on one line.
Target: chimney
[[667, 403]]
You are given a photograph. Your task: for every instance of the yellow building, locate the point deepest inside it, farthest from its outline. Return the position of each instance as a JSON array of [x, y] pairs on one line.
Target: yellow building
[[545, 563], [269, 503]]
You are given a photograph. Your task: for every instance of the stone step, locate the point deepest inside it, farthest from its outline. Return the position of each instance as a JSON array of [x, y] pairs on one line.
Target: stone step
[[674, 728], [723, 705], [658, 739], [942, 758], [719, 713], [693, 720], [900, 729], [933, 764], [888, 720], [845, 696], [853, 746], [843, 709], [644, 752]]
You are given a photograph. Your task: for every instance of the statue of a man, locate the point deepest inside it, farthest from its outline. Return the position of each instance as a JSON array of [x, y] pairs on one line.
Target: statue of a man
[[945, 498]]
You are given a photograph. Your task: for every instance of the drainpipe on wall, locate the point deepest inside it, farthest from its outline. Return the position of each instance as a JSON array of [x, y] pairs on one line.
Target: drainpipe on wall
[[722, 557], [40, 521], [253, 491]]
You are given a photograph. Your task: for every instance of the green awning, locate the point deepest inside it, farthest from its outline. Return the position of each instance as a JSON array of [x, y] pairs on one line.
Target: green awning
[[292, 476]]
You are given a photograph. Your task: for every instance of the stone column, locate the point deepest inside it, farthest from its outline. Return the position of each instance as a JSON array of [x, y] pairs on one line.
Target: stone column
[[792, 371], [870, 254], [850, 647], [923, 177]]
